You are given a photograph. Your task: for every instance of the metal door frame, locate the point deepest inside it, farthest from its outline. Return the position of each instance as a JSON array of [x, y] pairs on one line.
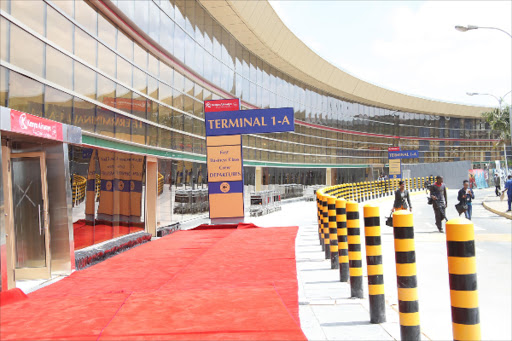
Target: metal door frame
[[43, 272]]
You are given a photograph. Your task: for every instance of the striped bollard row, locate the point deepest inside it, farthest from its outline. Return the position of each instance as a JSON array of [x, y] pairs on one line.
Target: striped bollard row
[[325, 225], [405, 258], [354, 250], [333, 233], [374, 264], [460, 244], [341, 222]]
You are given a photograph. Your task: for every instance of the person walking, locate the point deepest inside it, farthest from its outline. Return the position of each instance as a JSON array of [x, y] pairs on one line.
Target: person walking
[[508, 189], [465, 198], [402, 199], [439, 201], [497, 183]]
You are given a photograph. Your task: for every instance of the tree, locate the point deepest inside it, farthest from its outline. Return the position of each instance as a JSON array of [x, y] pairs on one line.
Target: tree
[[500, 123]]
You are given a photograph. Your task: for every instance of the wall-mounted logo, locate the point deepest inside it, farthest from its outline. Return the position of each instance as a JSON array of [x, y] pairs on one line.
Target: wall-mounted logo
[[36, 126], [224, 187]]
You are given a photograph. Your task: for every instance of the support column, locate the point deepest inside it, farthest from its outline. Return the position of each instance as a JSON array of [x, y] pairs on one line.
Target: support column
[[258, 177], [328, 177]]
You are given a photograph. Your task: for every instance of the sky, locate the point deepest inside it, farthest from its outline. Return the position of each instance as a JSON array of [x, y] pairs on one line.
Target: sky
[[412, 46]]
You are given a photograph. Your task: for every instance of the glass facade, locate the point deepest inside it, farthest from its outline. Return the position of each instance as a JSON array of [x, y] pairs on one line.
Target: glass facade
[[75, 65]]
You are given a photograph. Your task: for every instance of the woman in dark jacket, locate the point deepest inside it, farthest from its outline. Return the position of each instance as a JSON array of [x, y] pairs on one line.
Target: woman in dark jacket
[[402, 199]]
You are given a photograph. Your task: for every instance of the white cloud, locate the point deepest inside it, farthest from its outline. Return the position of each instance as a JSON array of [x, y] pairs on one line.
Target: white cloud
[[412, 47]]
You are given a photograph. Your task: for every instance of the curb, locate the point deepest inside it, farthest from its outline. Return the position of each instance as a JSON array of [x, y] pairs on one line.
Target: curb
[[503, 214]]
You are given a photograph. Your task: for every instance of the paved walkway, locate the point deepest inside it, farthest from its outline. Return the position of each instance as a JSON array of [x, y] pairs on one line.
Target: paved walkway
[[497, 206]]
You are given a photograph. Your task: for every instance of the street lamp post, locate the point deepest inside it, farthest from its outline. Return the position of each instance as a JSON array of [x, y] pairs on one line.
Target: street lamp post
[[500, 102], [473, 27]]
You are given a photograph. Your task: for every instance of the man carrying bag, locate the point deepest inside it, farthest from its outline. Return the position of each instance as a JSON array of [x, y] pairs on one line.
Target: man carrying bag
[[465, 198], [439, 201]]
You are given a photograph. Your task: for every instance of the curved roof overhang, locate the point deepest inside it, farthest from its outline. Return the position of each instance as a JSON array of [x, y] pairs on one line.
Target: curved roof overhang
[[257, 26]]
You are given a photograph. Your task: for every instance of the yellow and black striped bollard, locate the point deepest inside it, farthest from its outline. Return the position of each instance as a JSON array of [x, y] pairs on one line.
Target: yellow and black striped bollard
[[460, 243], [405, 257], [320, 219], [333, 232], [374, 264], [341, 222], [354, 250], [325, 217]]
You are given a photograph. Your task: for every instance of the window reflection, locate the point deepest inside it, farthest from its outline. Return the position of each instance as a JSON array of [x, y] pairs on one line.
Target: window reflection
[[109, 198]]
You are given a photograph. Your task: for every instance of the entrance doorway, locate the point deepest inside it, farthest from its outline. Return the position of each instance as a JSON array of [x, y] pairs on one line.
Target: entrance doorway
[[30, 216]]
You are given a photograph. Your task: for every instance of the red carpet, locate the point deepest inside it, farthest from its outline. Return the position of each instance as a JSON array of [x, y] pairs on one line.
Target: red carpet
[[208, 284]]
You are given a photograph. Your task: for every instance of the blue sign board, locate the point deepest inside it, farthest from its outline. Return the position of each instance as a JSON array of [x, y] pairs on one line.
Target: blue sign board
[[404, 154], [249, 121]]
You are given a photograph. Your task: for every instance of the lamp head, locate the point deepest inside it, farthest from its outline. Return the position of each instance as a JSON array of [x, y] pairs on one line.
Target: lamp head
[[465, 28], [471, 93]]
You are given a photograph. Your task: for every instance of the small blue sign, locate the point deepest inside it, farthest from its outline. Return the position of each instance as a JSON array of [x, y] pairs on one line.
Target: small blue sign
[[404, 154], [249, 121]]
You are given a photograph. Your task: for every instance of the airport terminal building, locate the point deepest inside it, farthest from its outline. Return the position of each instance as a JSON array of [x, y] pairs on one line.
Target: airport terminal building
[[101, 99]]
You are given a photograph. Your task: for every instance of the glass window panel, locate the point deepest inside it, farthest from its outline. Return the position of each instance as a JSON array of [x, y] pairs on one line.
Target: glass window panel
[[165, 94], [188, 104], [139, 106], [140, 57], [140, 80], [123, 127], [25, 94], [152, 109], [179, 12], [189, 17], [123, 99], [198, 92], [166, 73], [125, 46], [165, 116], [86, 16], [59, 68], [84, 81], [153, 65], [128, 8], [67, 6], [31, 13], [179, 81], [154, 23], [165, 138], [105, 122], [177, 120], [208, 45], [199, 23], [217, 36], [153, 87], [138, 133], [84, 114], [33, 61], [124, 71], [59, 29], [187, 143], [107, 31], [152, 135], [168, 7], [141, 18], [179, 44], [85, 47], [4, 85], [208, 66], [4, 39], [189, 52], [106, 91], [166, 33], [106, 60], [57, 105]]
